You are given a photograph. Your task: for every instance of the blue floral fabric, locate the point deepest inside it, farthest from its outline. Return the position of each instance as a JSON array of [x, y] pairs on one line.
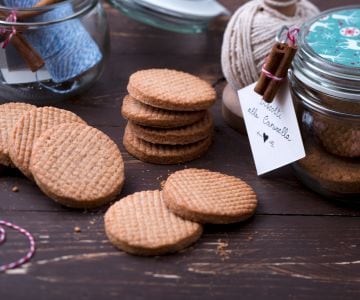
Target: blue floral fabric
[[336, 37]]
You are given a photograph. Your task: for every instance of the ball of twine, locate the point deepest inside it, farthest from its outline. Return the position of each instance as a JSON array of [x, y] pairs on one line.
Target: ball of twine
[[250, 34]]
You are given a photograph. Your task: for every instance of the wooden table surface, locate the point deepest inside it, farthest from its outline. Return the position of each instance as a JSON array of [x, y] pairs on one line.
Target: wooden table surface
[[298, 245]]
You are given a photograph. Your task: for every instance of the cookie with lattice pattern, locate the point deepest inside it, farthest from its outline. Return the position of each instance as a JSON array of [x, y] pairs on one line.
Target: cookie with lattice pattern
[[329, 172], [146, 115], [209, 197], [338, 136], [175, 136], [10, 113], [29, 127], [171, 89], [163, 154], [77, 165], [141, 224]]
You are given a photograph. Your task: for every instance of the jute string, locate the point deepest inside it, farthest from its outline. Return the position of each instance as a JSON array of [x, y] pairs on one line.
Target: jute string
[[250, 34]]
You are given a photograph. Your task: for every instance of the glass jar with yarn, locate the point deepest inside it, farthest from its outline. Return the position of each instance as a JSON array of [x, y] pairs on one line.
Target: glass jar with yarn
[[184, 16], [325, 85], [248, 39], [51, 49]]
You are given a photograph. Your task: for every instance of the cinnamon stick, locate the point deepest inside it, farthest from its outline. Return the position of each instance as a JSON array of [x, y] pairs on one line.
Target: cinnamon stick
[[273, 61], [46, 2], [26, 51], [281, 72], [41, 3]]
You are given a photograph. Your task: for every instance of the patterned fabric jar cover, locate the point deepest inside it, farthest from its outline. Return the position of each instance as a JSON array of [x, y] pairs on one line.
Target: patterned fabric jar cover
[[336, 37]]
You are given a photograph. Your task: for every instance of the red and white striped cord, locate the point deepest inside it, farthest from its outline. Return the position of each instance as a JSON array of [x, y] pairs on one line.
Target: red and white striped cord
[[28, 255], [270, 75], [10, 18], [291, 37]]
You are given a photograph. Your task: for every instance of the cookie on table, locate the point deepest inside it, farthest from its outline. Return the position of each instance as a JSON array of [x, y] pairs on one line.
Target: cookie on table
[[29, 127], [163, 154], [176, 136], [147, 115], [10, 113], [331, 172], [209, 197], [77, 165], [141, 224], [338, 137], [171, 89]]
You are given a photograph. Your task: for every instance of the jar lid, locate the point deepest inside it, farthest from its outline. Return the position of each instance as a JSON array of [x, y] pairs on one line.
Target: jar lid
[[328, 59], [193, 9], [184, 16]]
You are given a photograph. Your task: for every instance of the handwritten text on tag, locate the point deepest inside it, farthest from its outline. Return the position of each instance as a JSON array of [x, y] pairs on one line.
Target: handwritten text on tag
[[272, 128]]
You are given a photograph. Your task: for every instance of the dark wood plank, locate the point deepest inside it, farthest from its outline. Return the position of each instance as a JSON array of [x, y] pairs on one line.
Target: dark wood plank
[[298, 246], [270, 256]]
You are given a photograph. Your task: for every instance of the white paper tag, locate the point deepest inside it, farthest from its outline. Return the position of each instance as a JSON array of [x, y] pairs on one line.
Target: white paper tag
[[14, 70], [272, 128]]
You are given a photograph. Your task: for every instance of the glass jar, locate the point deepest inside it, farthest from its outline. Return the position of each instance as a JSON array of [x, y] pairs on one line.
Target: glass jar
[[325, 85], [52, 52], [184, 16]]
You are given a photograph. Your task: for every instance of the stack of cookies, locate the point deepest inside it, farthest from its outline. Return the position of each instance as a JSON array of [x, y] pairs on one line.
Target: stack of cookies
[[73, 163], [168, 117], [159, 222]]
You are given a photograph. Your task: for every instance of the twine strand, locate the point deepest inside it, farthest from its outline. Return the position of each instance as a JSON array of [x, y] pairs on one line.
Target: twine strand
[[27, 256], [280, 3]]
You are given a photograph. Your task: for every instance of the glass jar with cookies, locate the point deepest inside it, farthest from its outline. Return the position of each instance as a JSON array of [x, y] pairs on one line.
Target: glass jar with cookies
[[51, 49], [325, 84]]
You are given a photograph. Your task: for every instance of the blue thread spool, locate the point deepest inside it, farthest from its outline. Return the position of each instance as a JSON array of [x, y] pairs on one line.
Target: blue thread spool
[[71, 37]]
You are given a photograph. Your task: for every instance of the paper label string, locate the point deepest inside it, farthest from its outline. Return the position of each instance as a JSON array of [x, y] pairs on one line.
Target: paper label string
[[291, 36], [10, 18], [269, 74], [28, 255]]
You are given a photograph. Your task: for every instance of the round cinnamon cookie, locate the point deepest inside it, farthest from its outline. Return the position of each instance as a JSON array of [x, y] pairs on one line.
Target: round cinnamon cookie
[[171, 89], [29, 127], [146, 115], [176, 136], [141, 224], [209, 197], [77, 165], [10, 113], [340, 137], [329, 172], [163, 154]]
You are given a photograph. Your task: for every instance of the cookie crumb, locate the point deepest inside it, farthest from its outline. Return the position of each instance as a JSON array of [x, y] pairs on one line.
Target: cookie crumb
[[15, 189], [77, 229], [162, 183], [222, 250]]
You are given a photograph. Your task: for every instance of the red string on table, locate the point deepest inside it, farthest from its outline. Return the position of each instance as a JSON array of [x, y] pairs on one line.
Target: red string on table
[[28, 255]]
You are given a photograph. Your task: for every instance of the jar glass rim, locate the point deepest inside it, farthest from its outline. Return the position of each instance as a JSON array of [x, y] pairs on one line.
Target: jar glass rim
[[315, 103], [80, 8]]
